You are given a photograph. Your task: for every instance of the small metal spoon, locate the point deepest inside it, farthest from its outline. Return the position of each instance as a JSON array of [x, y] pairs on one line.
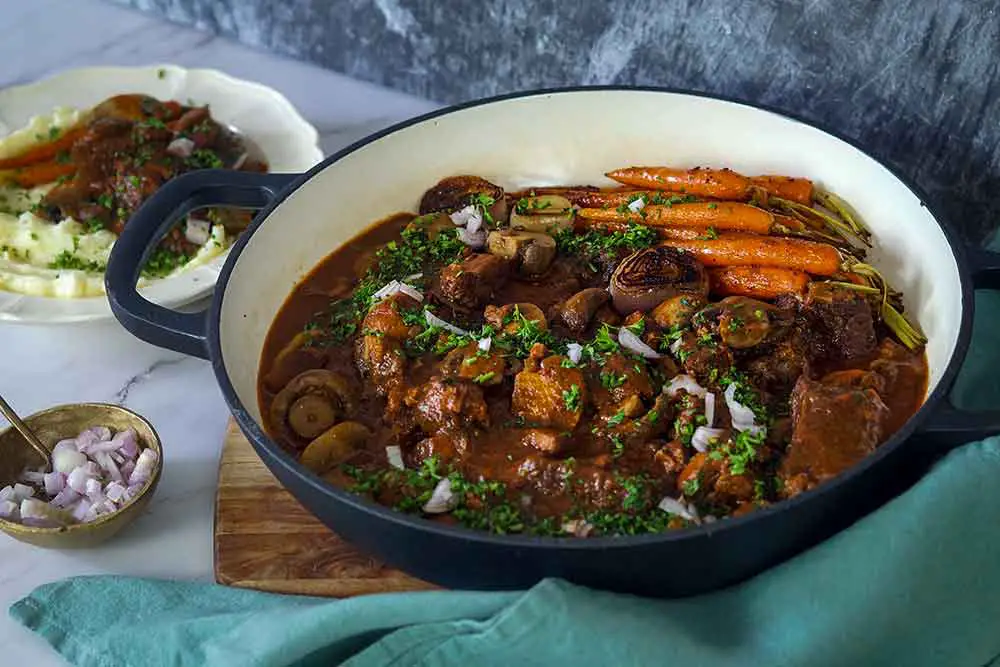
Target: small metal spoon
[[23, 429]]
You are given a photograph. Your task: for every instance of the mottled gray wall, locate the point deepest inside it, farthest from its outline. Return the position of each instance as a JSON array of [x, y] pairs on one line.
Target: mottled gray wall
[[916, 81]]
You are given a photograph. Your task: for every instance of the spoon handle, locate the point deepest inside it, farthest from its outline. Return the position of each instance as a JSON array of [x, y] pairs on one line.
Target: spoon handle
[[23, 429]]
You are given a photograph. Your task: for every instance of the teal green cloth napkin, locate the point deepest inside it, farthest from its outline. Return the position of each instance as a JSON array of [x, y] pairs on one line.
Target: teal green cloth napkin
[[916, 583]]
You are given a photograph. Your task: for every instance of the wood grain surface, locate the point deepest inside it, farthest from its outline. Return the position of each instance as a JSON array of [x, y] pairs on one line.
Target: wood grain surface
[[266, 540]]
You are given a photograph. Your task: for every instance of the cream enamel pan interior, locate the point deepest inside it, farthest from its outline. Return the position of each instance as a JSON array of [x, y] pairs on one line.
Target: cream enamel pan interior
[[575, 137]]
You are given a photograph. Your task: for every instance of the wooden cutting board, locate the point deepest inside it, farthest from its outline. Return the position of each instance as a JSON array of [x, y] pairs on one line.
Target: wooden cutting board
[[266, 540]]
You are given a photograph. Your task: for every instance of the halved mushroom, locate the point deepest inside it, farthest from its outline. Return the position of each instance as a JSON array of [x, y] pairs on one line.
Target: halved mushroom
[[432, 224], [335, 446], [296, 357], [456, 192], [532, 253], [547, 214], [677, 311], [743, 322], [505, 317], [311, 403], [578, 310], [649, 276]]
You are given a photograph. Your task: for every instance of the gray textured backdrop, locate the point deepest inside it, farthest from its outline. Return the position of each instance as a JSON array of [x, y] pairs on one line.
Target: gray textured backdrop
[[915, 81]]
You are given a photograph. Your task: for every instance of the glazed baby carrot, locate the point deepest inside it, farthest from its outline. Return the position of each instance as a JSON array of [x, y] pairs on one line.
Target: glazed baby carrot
[[43, 152], [727, 216], [798, 190], [760, 282], [818, 259], [37, 174], [682, 233], [701, 182]]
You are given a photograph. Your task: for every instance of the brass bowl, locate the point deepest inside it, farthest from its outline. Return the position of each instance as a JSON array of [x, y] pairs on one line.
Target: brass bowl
[[68, 421]]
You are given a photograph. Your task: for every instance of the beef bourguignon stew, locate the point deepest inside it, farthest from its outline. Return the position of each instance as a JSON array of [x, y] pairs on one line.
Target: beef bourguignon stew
[[582, 361]]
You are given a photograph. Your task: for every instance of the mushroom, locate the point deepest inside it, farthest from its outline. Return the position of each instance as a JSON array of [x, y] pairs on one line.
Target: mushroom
[[456, 192], [677, 311], [546, 214], [310, 403], [531, 252], [743, 322], [649, 276], [334, 446], [502, 317], [578, 310], [432, 224]]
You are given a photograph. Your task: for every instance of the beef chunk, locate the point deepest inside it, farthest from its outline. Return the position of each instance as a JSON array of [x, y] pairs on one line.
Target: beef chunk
[[470, 363], [620, 384], [546, 440], [835, 425], [447, 404], [704, 357], [384, 317], [473, 281], [546, 394], [381, 360], [777, 370], [840, 322], [712, 482]]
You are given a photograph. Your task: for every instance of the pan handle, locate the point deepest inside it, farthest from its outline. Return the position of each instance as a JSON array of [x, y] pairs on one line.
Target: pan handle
[[182, 332], [949, 426]]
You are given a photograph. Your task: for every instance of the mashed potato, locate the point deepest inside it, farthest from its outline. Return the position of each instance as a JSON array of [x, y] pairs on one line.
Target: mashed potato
[[66, 259]]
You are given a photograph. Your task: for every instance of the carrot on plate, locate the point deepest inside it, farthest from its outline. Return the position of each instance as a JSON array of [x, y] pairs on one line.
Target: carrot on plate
[[799, 190], [701, 182], [760, 282], [43, 152], [818, 259], [727, 216], [682, 233], [37, 174]]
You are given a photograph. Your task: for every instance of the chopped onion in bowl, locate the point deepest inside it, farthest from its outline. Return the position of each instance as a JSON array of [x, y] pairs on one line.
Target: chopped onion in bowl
[[704, 437], [395, 287], [742, 416], [629, 340], [395, 457], [442, 499], [710, 409], [679, 508], [94, 486], [685, 382], [574, 351], [435, 321]]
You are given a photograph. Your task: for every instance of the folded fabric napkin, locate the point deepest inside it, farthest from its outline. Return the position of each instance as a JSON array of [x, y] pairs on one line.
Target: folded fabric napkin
[[915, 583]]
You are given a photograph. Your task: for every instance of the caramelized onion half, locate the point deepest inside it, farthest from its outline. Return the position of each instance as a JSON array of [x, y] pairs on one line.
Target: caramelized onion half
[[647, 277]]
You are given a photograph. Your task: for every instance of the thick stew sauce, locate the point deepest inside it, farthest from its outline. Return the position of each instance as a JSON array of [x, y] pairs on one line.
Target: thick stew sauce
[[583, 361]]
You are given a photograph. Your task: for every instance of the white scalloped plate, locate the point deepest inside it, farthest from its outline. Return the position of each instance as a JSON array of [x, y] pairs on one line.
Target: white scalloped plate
[[265, 116]]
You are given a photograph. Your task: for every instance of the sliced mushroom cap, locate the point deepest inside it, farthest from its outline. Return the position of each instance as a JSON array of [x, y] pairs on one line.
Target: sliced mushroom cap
[[335, 446], [677, 311], [743, 322], [330, 398], [531, 252], [508, 317], [646, 278], [546, 214], [578, 310], [456, 192]]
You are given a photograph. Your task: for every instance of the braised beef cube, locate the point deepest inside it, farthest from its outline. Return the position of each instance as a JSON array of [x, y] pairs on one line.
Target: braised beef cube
[[470, 363], [472, 282], [704, 357], [548, 394], [380, 359], [546, 440], [841, 323], [712, 481], [779, 368], [904, 378], [385, 318], [447, 446], [834, 427], [620, 385], [447, 403]]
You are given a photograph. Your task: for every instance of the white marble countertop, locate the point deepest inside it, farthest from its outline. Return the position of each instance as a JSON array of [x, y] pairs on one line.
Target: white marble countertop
[[44, 366]]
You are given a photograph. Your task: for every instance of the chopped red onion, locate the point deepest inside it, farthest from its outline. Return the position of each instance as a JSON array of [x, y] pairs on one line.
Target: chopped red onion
[[94, 490], [77, 480], [127, 469], [182, 147], [742, 416], [574, 351], [637, 205], [65, 498], [435, 321], [413, 276], [197, 231], [395, 287], [6, 493], [577, 527], [395, 456], [629, 340], [484, 344], [115, 491], [33, 477], [710, 409], [675, 347], [21, 492], [442, 499], [44, 514], [67, 460], [475, 239], [467, 215], [704, 437], [685, 382], [679, 508], [9, 510], [81, 509], [144, 467], [108, 465], [54, 482], [128, 443], [240, 161]]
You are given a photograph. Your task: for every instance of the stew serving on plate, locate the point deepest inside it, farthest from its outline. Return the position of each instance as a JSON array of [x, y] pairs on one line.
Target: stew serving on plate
[[576, 361]]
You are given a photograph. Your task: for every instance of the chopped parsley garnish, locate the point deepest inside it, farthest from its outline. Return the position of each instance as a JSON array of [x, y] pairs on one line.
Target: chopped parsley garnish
[[589, 246], [617, 447], [616, 418], [204, 158], [691, 486], [163, 262], [571, 398], [68, 261], [484, 377], [104, 200], [609, 380]]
